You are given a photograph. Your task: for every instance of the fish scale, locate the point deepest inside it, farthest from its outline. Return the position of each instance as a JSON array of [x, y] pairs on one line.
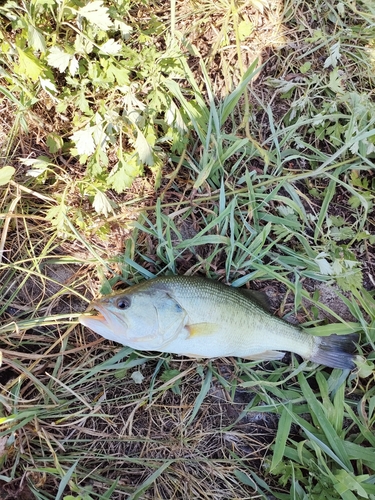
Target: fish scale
[[243, 328]]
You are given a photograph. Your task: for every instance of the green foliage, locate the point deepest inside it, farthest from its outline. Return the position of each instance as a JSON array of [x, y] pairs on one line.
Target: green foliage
[[168, 375], [332, 475], [6, 174], [105, 78]]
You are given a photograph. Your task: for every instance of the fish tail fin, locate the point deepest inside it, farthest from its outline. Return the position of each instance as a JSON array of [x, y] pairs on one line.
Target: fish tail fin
[[336, 351]]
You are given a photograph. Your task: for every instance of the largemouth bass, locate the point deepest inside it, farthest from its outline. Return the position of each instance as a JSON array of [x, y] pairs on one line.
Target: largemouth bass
[[201, 318]]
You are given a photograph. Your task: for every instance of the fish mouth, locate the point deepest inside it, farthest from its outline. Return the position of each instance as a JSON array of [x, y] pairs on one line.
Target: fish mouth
[[97, 316], [98, 312], [94, 312], [104, 323], [90, 319]]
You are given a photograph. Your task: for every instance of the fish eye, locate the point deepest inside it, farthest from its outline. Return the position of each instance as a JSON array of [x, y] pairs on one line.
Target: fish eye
[[123, 303]]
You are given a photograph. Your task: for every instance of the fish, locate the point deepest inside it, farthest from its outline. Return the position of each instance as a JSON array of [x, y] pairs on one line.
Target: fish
[[203, 318]]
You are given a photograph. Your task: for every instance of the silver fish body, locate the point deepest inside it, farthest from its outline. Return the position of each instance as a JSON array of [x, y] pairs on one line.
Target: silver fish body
[[202, 318]]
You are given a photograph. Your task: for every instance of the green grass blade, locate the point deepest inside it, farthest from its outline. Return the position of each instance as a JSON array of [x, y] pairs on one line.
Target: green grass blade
[[283, 430], [205, 387], [65, 480], [318, 411], [231, 101], [138, 493]]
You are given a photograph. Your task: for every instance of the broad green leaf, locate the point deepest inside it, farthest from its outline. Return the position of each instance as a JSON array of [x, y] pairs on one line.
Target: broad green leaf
[[57, 216], [305, 67], [96, 14], [245, 28], [83, 103], [6, 173], [48, 86], [101, 204], [29, 65], [169, 375], [143, 149], [40, 161], [124, 29], [120, 180], [82, 45], [84, 141], [123, 174], [350, 280], [335, 83], [366, 369], [36, 38], [120, 74], [324, 266], [54, 142], [111, 47], [58, 58], [73, 66]]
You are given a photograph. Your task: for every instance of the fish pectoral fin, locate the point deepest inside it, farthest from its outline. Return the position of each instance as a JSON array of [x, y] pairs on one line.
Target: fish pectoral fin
[[265, 356], [201, 329]]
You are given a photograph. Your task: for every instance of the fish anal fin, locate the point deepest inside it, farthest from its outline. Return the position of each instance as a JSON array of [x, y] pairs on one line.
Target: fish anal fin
[[265, 356], [201, 329]]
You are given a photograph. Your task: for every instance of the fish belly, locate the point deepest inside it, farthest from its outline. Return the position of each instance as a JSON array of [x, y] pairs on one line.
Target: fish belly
[[204, 339], [221, 321]]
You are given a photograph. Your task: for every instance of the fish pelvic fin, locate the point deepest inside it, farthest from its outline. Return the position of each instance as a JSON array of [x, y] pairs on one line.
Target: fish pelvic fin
[[201, 329], [336, 351]]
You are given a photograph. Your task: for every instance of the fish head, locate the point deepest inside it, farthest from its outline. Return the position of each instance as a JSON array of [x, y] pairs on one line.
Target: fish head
[[142, 319]]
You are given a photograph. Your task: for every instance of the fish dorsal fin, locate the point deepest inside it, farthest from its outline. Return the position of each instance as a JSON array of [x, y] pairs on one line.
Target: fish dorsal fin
[[202, 329], [260, 298]]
